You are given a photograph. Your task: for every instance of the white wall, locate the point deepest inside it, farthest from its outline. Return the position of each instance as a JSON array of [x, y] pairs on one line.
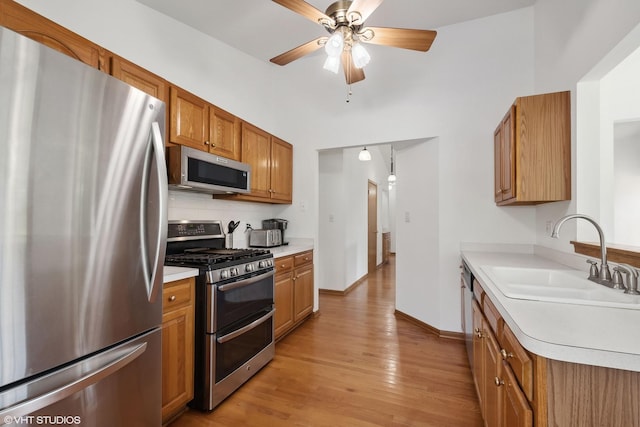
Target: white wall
[[626, 185]]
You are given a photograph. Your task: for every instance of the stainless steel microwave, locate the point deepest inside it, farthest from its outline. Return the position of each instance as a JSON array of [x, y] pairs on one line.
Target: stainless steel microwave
[[199, 171]]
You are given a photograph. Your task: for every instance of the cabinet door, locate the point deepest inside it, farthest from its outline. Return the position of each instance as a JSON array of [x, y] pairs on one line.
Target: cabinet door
[[504, 157], [256, 150], [177, 360], [224, 133], [144, 80], [493, 381], [28, 23], [281, 170], [478, 352], [516, 411], [189, 120], [284, 303], [303, 292]]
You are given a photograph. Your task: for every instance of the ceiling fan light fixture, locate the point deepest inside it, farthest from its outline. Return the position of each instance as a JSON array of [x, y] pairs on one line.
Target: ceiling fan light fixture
[[364, 155], [360, 55], [335, 44], [332, 63]]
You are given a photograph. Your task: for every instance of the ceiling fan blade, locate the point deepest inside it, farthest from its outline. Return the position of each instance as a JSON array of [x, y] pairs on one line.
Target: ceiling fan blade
[[351, 73], [298, 52], [364, 7], [420, 40], [303, 8]]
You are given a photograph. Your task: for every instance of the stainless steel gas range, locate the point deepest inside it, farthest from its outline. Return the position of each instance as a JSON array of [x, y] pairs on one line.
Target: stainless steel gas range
[[234, 308]]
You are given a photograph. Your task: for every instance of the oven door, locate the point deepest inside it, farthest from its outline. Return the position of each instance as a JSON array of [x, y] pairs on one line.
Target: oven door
[[240, 342], [236, 300], [233, 356]]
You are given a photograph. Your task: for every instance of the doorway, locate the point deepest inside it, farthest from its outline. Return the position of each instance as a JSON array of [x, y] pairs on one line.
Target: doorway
[[372, 221]]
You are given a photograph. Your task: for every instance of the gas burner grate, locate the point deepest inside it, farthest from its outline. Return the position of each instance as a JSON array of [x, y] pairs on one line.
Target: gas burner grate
[[206, 256]]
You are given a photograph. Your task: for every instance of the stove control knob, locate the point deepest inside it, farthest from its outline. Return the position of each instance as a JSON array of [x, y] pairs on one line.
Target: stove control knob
[[224, 274], [234, 271], [249, 268], [262, 264]]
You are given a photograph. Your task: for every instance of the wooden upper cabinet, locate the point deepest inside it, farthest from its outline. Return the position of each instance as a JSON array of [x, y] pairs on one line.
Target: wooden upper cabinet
[[271, 161], [140, 78], [256, 150], [533, 151], [203, 126], [281, 170], [224, 133], [144, 80], [189, 124], [28, 23]]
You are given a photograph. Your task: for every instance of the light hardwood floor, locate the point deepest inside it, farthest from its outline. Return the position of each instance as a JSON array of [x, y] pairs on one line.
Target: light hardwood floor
[[355, 365]]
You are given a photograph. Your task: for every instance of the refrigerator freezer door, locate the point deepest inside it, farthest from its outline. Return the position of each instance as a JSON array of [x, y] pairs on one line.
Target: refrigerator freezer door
[[118, 387], [82, 209]]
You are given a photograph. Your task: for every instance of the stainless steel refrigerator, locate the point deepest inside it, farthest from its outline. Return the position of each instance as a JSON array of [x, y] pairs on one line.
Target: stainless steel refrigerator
[[83, 196]]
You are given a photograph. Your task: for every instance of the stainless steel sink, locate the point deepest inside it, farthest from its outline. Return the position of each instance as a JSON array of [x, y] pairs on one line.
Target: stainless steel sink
[[557, 285]]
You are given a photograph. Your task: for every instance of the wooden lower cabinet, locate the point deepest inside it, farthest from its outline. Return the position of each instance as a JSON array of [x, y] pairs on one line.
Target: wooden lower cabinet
[[293, 291], [177, 346], [517, 388], [502, 400]]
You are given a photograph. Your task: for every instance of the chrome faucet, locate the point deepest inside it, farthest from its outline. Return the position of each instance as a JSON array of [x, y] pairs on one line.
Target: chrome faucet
[[632, 278], [603, 277]]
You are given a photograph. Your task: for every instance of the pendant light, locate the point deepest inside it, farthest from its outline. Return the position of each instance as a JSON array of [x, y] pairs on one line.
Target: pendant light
[[364, 155], [392, 175]]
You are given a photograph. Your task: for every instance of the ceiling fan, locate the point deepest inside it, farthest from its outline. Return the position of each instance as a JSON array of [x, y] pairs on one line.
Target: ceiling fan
[[344, 20]]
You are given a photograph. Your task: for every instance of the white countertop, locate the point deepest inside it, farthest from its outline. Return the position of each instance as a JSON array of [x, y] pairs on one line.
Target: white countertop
[[172, 274], [591, 335], [295, 246]]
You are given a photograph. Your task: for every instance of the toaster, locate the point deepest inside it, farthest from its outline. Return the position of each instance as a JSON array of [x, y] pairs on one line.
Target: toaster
[[265, 238]]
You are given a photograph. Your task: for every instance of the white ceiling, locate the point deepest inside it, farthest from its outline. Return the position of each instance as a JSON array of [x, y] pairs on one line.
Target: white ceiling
[[264, 29]]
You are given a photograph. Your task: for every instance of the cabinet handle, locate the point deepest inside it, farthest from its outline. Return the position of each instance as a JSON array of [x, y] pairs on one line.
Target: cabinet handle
[[172, 298], [505, 355], [498, 382], [206, 143], [478, 332]]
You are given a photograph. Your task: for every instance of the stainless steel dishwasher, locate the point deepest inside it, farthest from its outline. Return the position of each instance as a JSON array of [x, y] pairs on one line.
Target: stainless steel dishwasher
[[466, 290]]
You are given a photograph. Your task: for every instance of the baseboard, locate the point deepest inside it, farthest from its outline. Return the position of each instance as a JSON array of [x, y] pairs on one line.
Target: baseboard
[[346, 291], [458, 336]]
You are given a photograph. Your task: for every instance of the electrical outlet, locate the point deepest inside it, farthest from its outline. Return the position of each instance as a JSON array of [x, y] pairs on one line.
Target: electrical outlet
[[549, 227], [407, 217]]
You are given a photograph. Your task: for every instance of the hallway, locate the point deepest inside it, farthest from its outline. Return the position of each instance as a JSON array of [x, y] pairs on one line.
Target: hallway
[[355, 364]]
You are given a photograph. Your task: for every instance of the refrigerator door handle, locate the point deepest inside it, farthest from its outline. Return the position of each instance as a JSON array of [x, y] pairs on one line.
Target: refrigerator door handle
[[40, 397], [155, 149]]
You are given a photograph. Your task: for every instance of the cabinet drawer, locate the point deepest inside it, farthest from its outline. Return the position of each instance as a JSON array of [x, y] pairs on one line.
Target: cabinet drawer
[[303, 258], [283, 264], [176, 294], [519, 360], [492, 315]]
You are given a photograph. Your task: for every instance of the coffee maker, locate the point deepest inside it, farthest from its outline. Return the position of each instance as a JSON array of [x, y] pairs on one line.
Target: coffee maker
[[276, 223]]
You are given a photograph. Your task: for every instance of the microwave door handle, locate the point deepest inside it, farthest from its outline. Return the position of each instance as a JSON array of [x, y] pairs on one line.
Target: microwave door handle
[[245, 282], [223, 339], [155, 149]]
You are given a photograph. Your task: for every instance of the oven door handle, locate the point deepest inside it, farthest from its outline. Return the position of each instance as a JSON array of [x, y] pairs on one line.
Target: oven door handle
[[250, 326], [245, 282]]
